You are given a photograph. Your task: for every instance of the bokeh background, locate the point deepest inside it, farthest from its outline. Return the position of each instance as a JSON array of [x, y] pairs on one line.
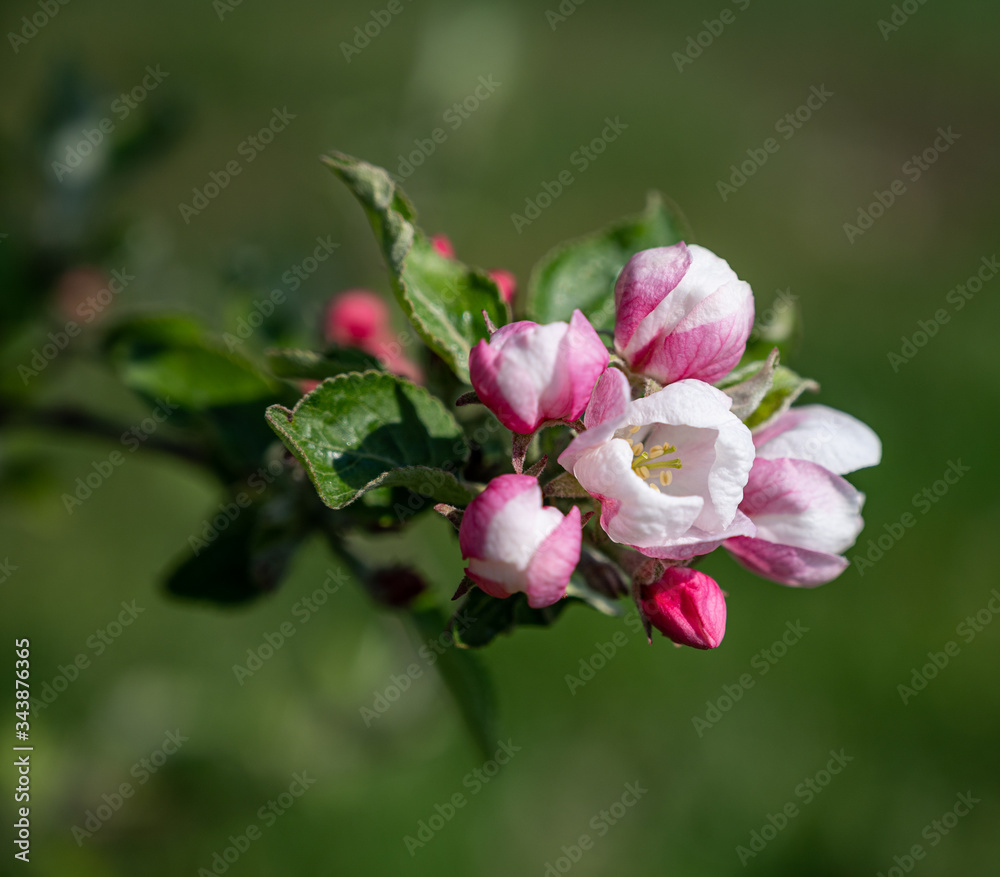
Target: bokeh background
[[836, 689]]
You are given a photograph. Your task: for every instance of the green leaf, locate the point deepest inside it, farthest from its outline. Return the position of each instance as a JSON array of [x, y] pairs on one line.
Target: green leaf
[[483, 618], [748, 386], [357, 431], [442, 297], [309, 365], [582, 273], [173, 357], [466, 677], [786, 387]]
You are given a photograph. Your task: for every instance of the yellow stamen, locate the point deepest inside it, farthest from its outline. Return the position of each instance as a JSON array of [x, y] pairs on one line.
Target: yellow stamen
[[637, 449], [634, 429], [666, 477], [655, 451], [643, 471]]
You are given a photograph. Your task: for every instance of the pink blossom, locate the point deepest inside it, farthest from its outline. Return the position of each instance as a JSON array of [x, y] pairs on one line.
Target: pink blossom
[[527, 373], [513, 543], [360, 318], [442, 243], [687, 607], [668, 469], [681, 312], [806, 515]]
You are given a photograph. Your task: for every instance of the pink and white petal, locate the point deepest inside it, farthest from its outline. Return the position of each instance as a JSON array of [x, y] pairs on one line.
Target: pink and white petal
[[707, 343], [786, 564], [697, 542], [555, 559], [586, 358], [609, 399], [490, 575], [639, 515], [833, 439], [474, 532], [485, 362], [707, 273], [643, 285], [794, 502]]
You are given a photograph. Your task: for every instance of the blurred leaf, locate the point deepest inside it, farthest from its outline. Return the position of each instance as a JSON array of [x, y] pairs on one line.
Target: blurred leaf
[[581, 590], [787, 386], [582, 273], [309, 365], [466, 677], [356, 431], [172, 357], [242, 560], [483, 618], [779, 325], [442, 297]]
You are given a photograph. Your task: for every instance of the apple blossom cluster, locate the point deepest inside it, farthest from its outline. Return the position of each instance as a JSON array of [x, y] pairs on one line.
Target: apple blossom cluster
[[659, 453]]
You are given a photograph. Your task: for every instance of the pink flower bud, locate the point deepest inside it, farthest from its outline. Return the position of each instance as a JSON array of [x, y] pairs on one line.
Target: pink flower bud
[[355, 317], [681, 312], [442, 243], [687, 607], [513, 543], [507, 283], [527, 373]]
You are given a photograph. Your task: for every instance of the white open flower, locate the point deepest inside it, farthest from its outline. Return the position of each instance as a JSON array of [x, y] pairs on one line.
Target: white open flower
[[669, 470]]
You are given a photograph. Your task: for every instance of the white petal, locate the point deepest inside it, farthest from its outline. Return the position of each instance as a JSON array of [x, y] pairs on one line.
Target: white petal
[[635, 513], [822, 435]]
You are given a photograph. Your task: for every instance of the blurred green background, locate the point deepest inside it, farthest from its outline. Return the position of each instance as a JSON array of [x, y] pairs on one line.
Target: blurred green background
[[836, 689]]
